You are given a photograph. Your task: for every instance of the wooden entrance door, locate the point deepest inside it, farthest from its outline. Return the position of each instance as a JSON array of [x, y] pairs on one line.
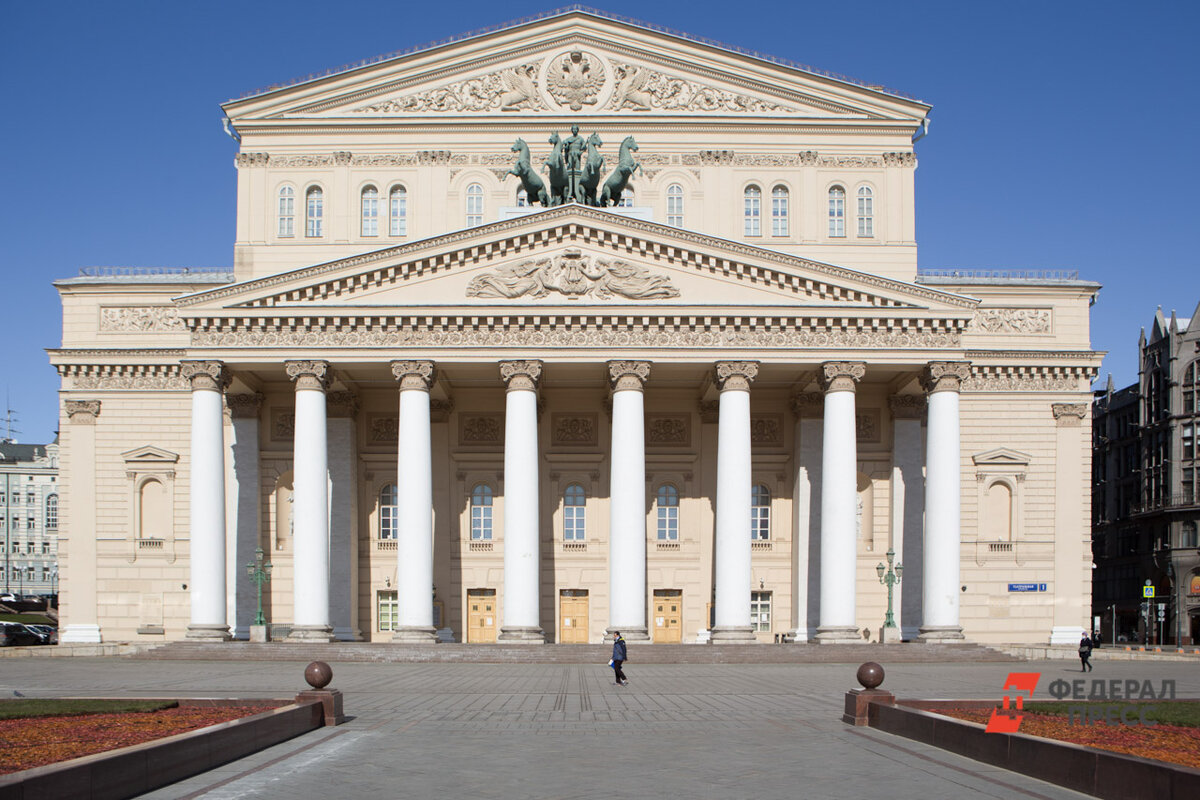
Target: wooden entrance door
[[573, 616], [668, 616], [481, 615]]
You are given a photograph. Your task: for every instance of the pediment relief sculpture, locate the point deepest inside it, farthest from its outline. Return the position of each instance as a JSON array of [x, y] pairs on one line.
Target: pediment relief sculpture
[[642, 89], [575, 79], [511, 89], [575, 275]]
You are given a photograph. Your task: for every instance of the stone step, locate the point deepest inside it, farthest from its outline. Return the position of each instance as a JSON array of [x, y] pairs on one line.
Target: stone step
[[386, 652]]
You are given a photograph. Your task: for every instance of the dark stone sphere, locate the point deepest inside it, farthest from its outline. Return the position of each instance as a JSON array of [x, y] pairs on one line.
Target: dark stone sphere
[[870, 675], [319, 674]]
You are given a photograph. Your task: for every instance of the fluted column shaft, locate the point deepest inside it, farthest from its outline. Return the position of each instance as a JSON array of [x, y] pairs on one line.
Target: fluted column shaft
[[310, 591], [839, 490], [521, 561], [943, 490], [414, 504], [627, 517], [732, 622], [209, 619]]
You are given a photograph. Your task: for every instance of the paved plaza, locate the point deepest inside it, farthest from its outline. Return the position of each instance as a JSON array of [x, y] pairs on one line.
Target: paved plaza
[[564, 731]]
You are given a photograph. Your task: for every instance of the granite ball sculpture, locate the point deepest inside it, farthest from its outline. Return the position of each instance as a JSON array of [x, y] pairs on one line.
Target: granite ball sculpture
[[870, 675], [319, 674]]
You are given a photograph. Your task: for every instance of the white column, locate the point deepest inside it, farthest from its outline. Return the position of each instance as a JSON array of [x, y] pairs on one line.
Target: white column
[[310, 510], [627, 515], [207, 481], [77, 538], [245, 510], [1072, 533], [342, 446], [732, 623], [806, 514], [521, 531], [908, 507], [839, 504], [943, 500], [414, 504]]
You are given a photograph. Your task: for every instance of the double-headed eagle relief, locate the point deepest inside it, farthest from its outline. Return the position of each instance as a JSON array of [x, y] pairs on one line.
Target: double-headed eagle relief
[[573, 171], [573, 274]]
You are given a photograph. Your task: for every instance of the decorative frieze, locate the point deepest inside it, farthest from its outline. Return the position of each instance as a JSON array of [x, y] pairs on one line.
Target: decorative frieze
[[383, 429], [841, 376], [418, 375], [766, 430], [342, 158], [1012, 320], [849, 161], [715, 157], [668, 430], [907, 406], [128, 377], [628, 374], [735, 375], [439, 410], [900, 159], [477, 429], [244, 406], [283, 424], [1011, 378], [868, 425], [945, 376], [205, 375], [509, 89], [309, 374], [643, 89], [341, 405], [521, 375], [303, 160], [574, 429], [808, 404], [141, 319], [1069, 415], [766, 160], [808, 158], [384, 160], [573, 274], [433, 156], [252, 159], [82, 412]]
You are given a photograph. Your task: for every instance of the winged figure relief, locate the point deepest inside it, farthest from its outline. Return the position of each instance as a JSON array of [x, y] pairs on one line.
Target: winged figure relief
[[630, 91], [520, 89]]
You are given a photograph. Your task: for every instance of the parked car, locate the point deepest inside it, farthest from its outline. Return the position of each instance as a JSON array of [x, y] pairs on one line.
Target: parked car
[[8, 598], [48, 631], [14, 634]]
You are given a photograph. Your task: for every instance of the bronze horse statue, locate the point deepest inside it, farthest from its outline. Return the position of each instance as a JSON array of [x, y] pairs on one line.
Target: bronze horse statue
[[614, 187], [557, 171], [592, 170], [535, 188]]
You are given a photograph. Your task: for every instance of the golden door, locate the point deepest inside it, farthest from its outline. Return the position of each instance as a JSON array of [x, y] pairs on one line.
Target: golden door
[[573, 616], [481, 615], [668, 616]]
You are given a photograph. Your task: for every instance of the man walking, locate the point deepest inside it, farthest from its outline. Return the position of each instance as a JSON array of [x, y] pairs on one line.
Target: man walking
[[618, 658], [1085, 652]]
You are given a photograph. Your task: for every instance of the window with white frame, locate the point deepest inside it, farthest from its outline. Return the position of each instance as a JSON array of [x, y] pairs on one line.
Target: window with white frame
[[574, 502], [474, 205], [779, 211], [389, 610], [760, 611], [52, 512], [370, 211], [287, 211], [388, 498], [866, 211], [45, 574], [481, 513], [760, 513], [837, 211], [668, 513], [398, 211], [45, 548], [675, 205], [626, 200], [314, 213], [752, 211]]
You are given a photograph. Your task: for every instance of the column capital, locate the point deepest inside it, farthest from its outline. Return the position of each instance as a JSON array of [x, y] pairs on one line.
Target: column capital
[[439, 410], [206, 375], [736, 375], [83, 412], [628, 375], [1069, 415], [808, 404], [418, 375], [343, 405], [945, 376], [907, 406], [521, 375], [841, 376], [244, 406], [309, 374]]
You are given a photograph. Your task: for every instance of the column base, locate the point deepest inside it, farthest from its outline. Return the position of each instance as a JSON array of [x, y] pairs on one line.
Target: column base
[[209, 633], [1066, 634], [80, 634], [415, 634], [310, 633], [838, 634], [259, 633], [629, 633], [943, 634], [350, 634], [798, 635], [732, 634], [522, 635]]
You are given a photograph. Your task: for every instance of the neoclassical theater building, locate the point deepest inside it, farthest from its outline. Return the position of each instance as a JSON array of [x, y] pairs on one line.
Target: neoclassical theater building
[[573, 325]]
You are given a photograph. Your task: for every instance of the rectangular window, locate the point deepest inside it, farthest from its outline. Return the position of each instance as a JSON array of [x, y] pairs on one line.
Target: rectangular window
[[30, 523], [753, 223], [287, 214], [779, 214], [45, 574], [388, 522], [760, 523], [573, 524], [675, 209], [837, 215], [316, 213], [668, 523], [45, 548], [389, 611], [866, 215], [760, 611], [399, 213], [29, 548], [1189, 442], [370, 215]]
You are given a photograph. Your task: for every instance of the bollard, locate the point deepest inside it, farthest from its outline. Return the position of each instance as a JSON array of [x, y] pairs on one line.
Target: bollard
[[318, 674], [858, 701]]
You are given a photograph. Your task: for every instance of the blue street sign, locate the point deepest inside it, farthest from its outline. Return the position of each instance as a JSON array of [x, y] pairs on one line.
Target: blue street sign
[[1027, 587]]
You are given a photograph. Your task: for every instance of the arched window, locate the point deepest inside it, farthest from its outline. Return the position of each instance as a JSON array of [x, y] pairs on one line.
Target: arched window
[[866, 211], [314, 212], [779, 211], [998, 513], [474, 205], [398, 211], [675, 205], [522, 198], [481, 513], [574, 500], [153, 508], [668, 513], [387, 512], [287, 211], [837, 211], [752, 211], [52, 512], [760, 513], [370, 211], [626, 199]]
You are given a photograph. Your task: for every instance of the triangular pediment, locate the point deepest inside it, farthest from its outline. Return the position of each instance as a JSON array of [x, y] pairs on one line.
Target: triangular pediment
[[570, 63], [1002, 457], [576, 259], [149, 454]]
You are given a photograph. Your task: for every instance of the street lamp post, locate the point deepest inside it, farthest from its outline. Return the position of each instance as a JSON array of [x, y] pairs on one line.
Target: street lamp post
[[259, 572], [889, 576]]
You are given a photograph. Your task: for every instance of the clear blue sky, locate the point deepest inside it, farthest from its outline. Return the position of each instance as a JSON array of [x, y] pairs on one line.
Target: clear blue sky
[[1063, 136]]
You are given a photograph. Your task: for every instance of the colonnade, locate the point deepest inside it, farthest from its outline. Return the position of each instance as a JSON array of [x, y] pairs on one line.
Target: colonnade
[[627, 552]]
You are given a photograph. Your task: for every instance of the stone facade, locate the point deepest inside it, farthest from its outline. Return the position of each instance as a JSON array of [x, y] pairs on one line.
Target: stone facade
[[29, 518], [708, 413]]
